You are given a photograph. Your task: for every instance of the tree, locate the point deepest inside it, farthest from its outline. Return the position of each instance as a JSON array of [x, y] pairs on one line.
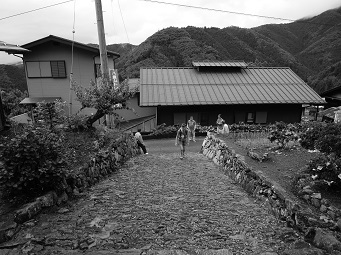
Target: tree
[[104, 96], [11, 100]]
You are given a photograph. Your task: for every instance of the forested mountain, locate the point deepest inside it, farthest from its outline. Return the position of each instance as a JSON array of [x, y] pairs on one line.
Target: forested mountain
[[311, 47], [12, 77]]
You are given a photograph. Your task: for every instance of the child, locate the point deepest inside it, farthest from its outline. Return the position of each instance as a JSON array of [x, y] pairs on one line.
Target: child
[[182, 139], [191, 125], [140, 142]]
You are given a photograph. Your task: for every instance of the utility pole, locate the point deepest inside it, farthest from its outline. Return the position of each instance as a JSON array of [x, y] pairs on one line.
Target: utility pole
[[101, 38]]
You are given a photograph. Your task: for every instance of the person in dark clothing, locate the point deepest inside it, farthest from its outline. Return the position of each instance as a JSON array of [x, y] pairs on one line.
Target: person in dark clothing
[[140, 142], [182, 138]]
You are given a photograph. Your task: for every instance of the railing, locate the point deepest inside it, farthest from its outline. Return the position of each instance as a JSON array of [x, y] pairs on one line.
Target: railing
[[145, 125]]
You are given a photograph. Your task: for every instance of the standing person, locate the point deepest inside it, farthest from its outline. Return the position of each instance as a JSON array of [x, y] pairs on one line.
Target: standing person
[[140, 142], [220, 124], [182, 139], [191, 125]]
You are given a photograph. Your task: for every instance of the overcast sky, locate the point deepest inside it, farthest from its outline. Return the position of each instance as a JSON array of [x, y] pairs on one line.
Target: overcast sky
[[141, 18]]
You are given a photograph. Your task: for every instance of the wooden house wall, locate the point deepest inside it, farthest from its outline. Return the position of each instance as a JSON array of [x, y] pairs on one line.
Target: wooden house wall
[[230, 113]]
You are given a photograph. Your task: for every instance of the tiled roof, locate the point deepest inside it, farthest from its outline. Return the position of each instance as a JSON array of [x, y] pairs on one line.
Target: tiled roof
[[254, 85], [231, 63]]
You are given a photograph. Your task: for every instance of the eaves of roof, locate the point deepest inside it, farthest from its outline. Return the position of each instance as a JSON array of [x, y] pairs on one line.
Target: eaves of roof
[[326, 93], [67, 42]]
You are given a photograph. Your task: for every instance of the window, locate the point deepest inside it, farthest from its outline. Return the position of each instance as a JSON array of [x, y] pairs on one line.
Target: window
[[250, 117], [98, 72], [261, 117], [58, 69], [46, 69]]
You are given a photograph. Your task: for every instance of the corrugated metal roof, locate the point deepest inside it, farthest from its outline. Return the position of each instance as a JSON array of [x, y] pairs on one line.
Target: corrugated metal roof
[[34, 100], [255, 85], [230, 63]]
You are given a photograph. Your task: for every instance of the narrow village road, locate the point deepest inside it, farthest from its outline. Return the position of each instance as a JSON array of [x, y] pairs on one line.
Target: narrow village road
[[160, 202]]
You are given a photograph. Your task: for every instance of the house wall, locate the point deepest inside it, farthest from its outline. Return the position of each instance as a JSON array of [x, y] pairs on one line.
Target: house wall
[[207, 115], [83, 72]]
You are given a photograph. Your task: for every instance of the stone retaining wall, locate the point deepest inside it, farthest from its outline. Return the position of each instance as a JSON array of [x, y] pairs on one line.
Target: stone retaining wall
[[305, 185], [101, 165], [284, 205]]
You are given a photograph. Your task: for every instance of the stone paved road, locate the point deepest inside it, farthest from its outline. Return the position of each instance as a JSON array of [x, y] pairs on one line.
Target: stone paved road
[[159, 202]]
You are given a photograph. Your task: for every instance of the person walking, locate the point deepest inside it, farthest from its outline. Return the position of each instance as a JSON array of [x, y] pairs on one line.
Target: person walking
[[191, 125], [140, 142], [182, 139]]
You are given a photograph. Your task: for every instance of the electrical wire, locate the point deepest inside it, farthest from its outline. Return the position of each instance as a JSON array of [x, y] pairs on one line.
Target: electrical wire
[[112, 14], [238, 13], [48, 6], [125, 29]]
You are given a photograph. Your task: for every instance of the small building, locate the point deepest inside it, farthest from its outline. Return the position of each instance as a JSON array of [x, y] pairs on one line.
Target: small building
[[239, 93]]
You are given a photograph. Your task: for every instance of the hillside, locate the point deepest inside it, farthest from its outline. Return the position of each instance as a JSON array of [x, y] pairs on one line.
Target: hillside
[[12, 77], [311, 47]]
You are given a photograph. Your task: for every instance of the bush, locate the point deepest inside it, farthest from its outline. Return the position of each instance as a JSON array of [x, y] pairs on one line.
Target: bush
[[33, 162], [49, 114], [325, 171], [163, 129], [105, 136], [283, 133], [311, 132], [76, 123], [329, 140]]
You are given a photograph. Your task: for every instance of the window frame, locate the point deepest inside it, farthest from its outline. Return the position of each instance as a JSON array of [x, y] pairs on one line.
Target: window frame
[[60, 68]]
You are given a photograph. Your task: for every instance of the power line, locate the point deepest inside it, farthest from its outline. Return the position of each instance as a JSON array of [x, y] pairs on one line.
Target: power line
[[125, 29], [48, 6], [238, 13]]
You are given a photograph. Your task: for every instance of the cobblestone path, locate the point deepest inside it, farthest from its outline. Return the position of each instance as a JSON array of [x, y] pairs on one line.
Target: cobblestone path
[[159, 202]]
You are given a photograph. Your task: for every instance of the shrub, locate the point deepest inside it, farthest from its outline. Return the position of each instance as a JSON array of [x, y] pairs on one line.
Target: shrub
[[76, 123], [311, 131], [329, 140], [283, 133], [105, 136], [163, 129], [33, 162], [325, 171], [49, 114]]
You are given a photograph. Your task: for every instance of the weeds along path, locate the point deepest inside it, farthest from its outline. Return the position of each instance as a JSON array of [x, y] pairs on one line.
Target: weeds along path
[[158, 202]]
